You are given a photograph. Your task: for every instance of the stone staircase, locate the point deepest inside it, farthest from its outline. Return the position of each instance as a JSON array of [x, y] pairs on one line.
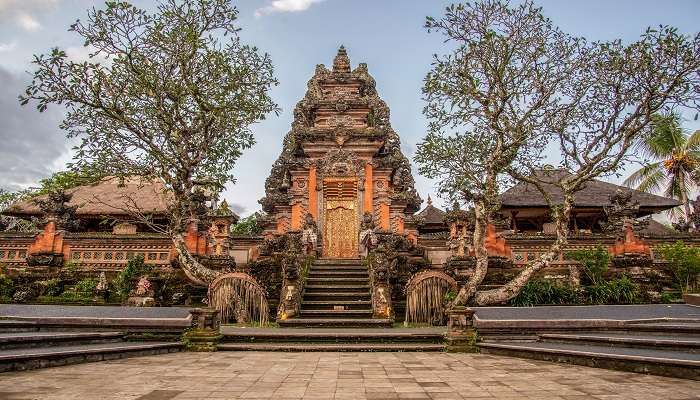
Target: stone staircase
[[24, 346], [335, 315], [671, 349], [337, 295]]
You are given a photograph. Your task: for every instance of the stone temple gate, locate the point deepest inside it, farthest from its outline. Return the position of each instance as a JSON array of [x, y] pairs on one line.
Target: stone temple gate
[[340, 160]]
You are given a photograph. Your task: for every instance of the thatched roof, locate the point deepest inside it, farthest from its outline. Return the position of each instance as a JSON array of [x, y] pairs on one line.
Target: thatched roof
[[108, 197], [656, 228], [595, 194]]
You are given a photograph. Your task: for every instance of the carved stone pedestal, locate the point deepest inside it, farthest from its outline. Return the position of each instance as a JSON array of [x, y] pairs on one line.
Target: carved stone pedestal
[[45, 259], [461, 335], [204, 333]]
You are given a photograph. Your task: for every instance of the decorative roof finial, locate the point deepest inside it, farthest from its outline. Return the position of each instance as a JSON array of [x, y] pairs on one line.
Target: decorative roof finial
[[341, 63], [430, 201]]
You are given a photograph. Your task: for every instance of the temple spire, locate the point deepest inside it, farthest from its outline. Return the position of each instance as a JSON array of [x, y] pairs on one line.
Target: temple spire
[[430, 201], [341, 63]]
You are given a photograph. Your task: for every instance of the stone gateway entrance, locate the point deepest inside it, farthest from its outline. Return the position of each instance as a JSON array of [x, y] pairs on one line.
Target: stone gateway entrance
[[340, 235], [340, 161]]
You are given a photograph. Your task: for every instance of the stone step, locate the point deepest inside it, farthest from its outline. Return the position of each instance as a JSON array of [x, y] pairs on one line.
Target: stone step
[[325, 314], [338, 268], [337, 335], [336, 296], [339, 274], [665, 327], [689, 344], [337, 281], [658, 362], [338, 261], [331, 347], [335, 323], [329, 305], [336, 288], [17, 340], [8, 326], [33, 358]]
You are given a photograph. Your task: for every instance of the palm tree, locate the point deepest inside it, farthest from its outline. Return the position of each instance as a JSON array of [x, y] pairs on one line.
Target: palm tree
[[674, 155]]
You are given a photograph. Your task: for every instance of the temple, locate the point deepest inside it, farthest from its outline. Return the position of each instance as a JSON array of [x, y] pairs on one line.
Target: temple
[[342, 225], [341, 160]]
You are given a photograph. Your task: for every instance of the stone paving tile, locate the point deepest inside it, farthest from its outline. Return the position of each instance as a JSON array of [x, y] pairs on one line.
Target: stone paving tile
[[326, 376]]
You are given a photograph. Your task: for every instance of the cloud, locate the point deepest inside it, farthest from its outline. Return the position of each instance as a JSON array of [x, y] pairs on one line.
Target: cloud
[[285, 6], [31, 141], [27, 22], [238, 208], [7, 47], [23, 12]]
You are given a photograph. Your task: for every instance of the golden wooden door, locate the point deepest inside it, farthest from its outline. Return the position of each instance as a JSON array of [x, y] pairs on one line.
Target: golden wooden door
[[340, 222]]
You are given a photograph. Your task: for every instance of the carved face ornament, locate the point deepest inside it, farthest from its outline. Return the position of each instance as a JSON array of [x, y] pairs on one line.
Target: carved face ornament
[[341, 136]]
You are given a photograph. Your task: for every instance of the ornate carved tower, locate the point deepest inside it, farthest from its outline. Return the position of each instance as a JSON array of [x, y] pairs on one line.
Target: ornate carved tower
[[340, 160]]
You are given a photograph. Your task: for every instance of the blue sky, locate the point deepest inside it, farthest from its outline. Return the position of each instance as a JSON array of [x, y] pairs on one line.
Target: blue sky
[[298, 34]]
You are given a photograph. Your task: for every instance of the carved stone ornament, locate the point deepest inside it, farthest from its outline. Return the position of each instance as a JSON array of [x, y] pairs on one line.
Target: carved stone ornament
[[368, 238], [45, 260], [341, 106], [337, 121], [341, 136], [621, 213], [309, 235], [341, 63], [341, 163]]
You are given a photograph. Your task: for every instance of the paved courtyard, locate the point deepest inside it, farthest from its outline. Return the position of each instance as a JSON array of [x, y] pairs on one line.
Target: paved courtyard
[[231, 375]]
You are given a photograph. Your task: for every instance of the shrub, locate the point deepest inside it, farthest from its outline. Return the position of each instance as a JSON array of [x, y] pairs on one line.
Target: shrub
[[70, 270], [7, 286], [615, 291], [23, 295], [449, 296], [542, 291], [672, 297], [136, 267], [594, 261], [52, 287], [86, 286], [683, 262]]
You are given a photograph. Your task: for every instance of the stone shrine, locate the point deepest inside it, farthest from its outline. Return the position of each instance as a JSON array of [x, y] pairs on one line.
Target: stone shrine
[[341, 160]]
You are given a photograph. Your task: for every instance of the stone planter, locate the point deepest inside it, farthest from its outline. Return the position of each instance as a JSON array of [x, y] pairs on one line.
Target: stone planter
[[203, 334], [461, 335]]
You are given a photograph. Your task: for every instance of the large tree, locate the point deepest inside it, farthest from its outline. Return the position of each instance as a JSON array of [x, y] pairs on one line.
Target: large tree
[[514, 85], [168, 95]]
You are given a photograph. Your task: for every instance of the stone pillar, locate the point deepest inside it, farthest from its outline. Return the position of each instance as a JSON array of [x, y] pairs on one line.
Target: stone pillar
[[384, 217], [313, 195], [461, 334], [369, 183], [296, 216], [203, 334]]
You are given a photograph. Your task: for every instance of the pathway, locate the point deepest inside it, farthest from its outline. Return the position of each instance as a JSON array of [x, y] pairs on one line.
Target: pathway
[[232, 375]]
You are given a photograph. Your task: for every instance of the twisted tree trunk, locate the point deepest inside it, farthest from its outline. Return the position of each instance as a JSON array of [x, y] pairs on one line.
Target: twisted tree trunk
[[512, 288], [193, 269], [468, 290]]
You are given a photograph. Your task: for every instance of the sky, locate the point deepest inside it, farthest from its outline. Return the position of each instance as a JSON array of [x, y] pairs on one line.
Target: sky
[[298, 34]]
